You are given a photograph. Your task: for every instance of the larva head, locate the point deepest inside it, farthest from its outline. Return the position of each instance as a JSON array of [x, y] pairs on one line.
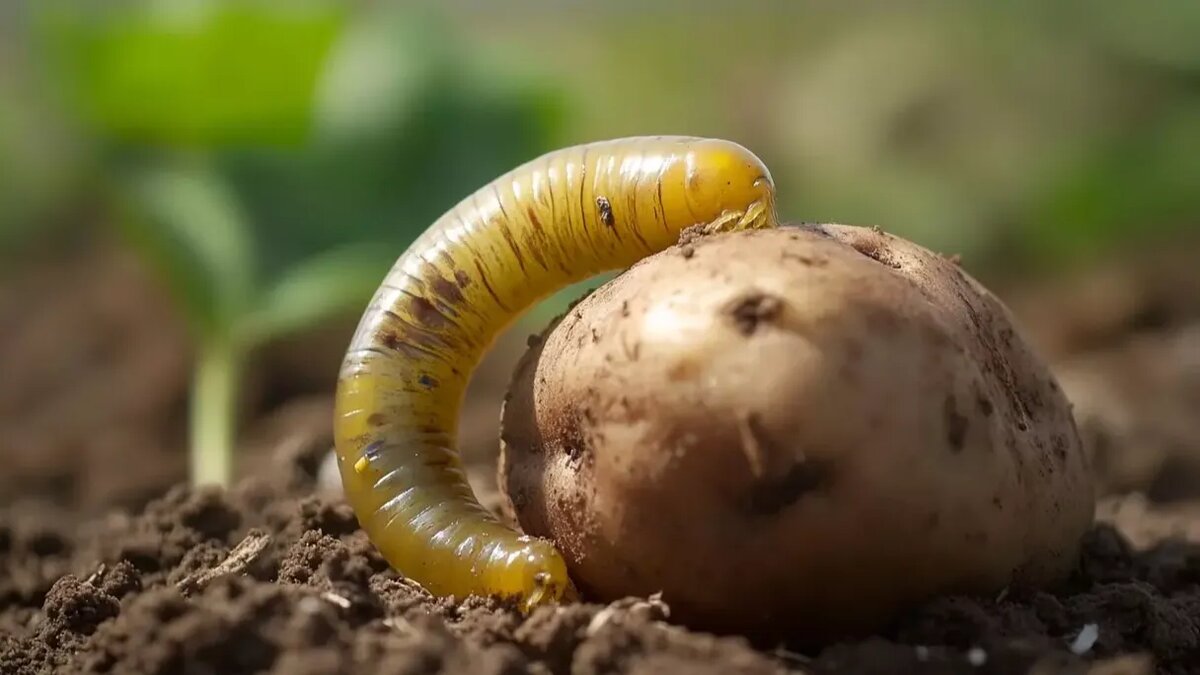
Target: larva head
[[721, 184]]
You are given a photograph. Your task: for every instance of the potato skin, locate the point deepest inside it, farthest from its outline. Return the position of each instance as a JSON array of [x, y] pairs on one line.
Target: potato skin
[[796, 432]]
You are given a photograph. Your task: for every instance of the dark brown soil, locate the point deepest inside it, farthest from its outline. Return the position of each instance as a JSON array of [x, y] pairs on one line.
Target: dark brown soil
[[109, 565], [135, 594]]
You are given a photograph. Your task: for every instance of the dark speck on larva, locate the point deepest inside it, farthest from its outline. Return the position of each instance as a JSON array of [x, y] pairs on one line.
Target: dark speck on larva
[[448, 290], [606, 213], [426, 313]]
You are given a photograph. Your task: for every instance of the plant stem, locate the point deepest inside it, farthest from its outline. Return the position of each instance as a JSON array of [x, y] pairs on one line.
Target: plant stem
[[213, 413]]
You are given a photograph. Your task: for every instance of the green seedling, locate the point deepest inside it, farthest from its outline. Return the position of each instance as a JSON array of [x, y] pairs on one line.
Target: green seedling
[[271, 161], [187, 222]]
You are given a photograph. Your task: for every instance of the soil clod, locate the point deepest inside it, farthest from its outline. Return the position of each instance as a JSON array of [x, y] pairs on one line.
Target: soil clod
[[238, 560]]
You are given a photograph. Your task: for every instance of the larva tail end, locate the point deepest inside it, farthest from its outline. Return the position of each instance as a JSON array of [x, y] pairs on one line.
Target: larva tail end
[[543, 576]]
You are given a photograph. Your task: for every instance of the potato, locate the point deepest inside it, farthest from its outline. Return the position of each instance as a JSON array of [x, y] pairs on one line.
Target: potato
[[795, 431]]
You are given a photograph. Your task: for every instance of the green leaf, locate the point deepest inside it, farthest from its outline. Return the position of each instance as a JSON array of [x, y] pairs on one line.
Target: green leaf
[[378, 72], [192, 72], [385, 180], [338, 281], [191, 228]]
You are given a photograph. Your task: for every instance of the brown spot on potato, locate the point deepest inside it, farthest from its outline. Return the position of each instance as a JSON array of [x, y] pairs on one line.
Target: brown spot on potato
[[985, 405], [880, 320], [811, 261], [753, 309], [376, 419], [1060, 446], [769, 497], [956, 424], [462, 278]]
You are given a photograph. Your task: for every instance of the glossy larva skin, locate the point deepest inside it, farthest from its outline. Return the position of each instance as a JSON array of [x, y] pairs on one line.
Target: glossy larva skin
[[556, 220]]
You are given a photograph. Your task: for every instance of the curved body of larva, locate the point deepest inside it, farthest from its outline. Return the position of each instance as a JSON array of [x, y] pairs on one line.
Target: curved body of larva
[[556, 220]]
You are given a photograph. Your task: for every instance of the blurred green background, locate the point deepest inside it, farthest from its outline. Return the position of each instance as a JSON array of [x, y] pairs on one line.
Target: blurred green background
[[270, 160], [242, 140]]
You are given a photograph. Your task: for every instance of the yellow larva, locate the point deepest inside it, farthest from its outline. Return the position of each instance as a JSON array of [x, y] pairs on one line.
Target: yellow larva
[[556, 220]]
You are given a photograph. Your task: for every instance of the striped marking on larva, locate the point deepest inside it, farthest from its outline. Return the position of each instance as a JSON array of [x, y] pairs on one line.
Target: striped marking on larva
[[554, 221]]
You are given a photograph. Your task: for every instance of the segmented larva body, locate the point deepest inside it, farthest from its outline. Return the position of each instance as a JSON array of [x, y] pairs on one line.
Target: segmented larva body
[[556, 220]]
